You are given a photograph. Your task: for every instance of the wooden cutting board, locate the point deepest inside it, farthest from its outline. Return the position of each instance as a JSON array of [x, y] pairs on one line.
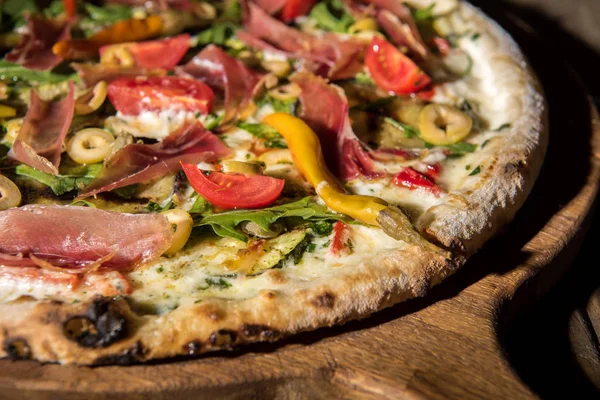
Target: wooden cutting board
[[444, 345]]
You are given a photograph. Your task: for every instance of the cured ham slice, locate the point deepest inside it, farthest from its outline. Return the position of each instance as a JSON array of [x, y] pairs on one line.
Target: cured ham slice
[[329, 55], [74, 237], [271, 6], [325, 110], [91, 74], [35, 49], [222, 72], [137, 163], [43, 133]]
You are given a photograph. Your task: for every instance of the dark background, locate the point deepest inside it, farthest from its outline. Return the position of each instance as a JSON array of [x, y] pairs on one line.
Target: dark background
[[554, 347]]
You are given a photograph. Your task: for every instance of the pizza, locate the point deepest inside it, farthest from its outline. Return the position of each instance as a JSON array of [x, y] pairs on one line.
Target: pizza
[[181, 176]]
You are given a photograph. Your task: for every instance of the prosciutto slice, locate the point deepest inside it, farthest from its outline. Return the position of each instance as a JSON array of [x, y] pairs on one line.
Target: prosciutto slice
[[271, 6], [35, 49], [224, 73], [329, 55], [91, 74], [396, 20], [42, 135], [137, 163], [325, 110], [73, 237]]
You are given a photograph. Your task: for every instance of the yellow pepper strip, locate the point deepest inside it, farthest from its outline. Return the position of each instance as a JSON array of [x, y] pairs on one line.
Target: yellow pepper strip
[[308, 157], [7, 112], [129, 30]]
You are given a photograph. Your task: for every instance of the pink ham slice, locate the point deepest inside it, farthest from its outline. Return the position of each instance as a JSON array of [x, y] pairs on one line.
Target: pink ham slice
[[224, 73], [73, 237], [137, 163], [42, 135], [325, 110], [396, 20], [91, 74], [35, 49], [271, 6], [329, 55]]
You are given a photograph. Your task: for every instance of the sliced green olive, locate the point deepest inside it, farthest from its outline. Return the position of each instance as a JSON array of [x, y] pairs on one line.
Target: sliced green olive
[[182, 223], [241, 167], [90, 146], [10, 195], [444, 125], [290, 91], [118, 54], [204, 10], [91, 100], [406, 110], [280, 68]]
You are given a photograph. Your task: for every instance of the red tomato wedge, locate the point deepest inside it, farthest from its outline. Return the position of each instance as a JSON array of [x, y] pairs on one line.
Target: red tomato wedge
[[392, 70], [296, 8], [131, 96], [70, 8], [163, 53], [231, 191]]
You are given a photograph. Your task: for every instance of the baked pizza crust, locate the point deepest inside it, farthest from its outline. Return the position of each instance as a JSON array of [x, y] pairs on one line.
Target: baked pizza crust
[[108, 331]]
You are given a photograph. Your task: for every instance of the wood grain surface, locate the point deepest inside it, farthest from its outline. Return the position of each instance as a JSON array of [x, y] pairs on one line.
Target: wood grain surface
[[443, 346]]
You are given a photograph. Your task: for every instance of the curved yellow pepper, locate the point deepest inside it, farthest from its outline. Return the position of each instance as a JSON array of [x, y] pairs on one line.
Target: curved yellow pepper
[[308, 157]]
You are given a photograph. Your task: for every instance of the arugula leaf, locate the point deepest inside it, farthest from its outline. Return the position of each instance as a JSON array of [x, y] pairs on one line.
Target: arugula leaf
[[11, 72], [273, 139], [409, 131], [56, 8], [218, 33], [287, 106], [108, 14], [424, 14], [460, 148], [364, 78], [155, 207], [323, 15], [60, 184], [15, 10], [200, 206], [225, 224]]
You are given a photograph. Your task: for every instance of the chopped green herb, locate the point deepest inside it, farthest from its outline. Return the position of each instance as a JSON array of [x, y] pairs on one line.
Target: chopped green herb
[[212, 121], [475, 36], [475, 171], [503, 127], [409, 131], [468, 167], [485, 143], [460, 148], [219, 283], [160, 270], [322, 228], [311, 248]]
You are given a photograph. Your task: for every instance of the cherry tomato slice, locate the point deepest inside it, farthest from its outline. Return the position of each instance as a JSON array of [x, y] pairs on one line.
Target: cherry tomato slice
[[131, 96], [392, 70], [163, 53], [70, 8], [231, 191], [296, 8]]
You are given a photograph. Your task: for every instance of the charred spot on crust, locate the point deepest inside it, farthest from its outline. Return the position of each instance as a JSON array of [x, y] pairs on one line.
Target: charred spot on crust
[[511, 168], [222, 338], [132, 355], [193, 348], [325, 300], [102, 325], [17, 348], [260, 332]]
